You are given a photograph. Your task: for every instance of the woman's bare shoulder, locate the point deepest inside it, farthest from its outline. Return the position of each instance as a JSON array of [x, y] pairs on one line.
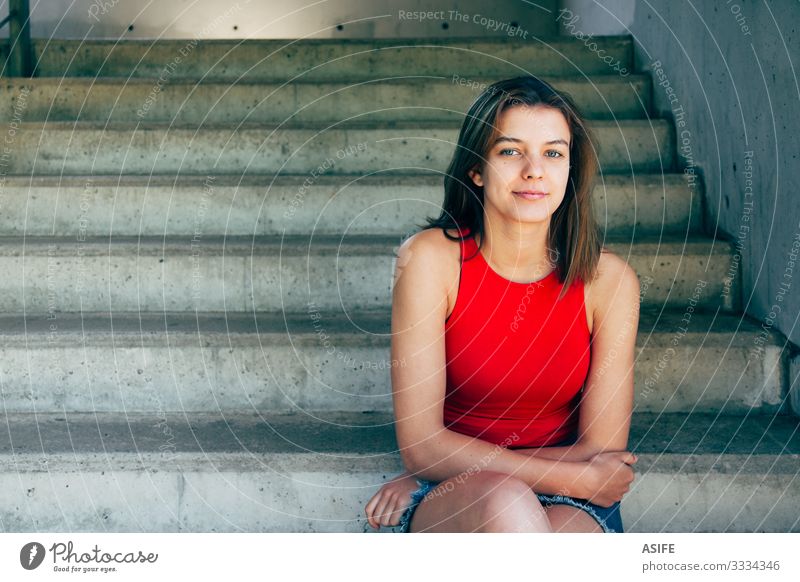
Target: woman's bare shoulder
[[432, 247], [431, 254], [614, 281]]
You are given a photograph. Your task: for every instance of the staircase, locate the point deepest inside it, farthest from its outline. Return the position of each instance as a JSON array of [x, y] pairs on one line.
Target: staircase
[[198, 240]]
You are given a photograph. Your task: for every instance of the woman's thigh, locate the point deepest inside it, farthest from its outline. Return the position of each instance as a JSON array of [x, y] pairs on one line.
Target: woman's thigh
[[569, 519], [485, 501]]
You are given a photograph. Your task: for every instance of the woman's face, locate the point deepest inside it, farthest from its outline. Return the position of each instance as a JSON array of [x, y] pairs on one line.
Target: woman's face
[[528, 154]]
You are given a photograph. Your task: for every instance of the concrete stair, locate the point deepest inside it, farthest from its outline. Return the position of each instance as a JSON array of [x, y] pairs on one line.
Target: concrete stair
[[354, 147], [269, 362], [627, 206], [189, 101], [325, 60], [274, 273], [249, 472], [199, 254]]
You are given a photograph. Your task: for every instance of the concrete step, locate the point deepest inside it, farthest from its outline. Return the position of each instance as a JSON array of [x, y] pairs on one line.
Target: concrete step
[[329, 59], [430, 98], [241, 472], [626, 206], [60, 148], [214, 273], [316, 363]]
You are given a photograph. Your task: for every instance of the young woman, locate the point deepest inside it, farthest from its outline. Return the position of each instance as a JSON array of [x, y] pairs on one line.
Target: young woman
[[518, 333]]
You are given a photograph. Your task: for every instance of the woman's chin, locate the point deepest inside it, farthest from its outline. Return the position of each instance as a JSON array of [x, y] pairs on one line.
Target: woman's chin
[[531, 218]]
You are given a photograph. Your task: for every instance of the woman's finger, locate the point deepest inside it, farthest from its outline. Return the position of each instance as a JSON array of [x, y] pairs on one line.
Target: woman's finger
[[386, 511], [380, 511], [396, 514], [390, 509], [371, 509]]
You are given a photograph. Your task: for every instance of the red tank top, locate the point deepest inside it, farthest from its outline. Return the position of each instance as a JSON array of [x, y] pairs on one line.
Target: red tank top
[[517, 357]]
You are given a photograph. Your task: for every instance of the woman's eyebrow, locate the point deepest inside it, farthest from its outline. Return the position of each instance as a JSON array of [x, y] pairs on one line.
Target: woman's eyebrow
[[503, 138], [506, 138]]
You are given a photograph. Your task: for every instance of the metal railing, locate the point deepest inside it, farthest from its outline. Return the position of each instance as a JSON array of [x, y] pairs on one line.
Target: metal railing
[[20, 54]]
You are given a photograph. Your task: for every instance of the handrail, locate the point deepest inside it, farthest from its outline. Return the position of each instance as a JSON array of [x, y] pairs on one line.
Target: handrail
[[18, 63]]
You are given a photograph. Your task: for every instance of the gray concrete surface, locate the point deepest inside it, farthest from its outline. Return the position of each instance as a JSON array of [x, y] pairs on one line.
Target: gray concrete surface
[[324, 60], [320, 362], [424, 98], [292, 19], [627, 207], [243, 473], [728, 71], [146, 149], [214, 273]]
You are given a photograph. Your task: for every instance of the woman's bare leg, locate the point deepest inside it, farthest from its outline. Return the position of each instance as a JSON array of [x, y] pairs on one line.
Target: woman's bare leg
[[569, 519], [484, 502]]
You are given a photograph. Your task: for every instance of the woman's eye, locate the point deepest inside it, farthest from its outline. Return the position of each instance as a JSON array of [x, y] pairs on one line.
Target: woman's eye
[[507, 152], [558, 154]]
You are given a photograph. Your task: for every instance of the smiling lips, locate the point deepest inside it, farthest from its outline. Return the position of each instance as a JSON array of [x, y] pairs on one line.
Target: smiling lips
[[530, 194]]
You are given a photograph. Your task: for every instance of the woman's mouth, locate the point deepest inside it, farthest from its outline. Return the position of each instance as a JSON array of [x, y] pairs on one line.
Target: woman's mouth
[[530, 194]]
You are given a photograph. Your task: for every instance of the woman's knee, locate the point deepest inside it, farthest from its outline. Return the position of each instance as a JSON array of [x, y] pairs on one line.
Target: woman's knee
[[509, 504]]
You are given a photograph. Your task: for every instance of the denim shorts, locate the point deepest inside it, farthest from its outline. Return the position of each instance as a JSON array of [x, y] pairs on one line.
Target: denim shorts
[[609, 518]]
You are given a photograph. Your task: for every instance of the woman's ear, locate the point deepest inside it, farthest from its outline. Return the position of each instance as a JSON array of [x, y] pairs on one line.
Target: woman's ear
[[475, 176]]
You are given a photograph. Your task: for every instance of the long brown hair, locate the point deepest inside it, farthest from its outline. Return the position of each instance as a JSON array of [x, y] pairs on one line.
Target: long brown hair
[[573, 234]]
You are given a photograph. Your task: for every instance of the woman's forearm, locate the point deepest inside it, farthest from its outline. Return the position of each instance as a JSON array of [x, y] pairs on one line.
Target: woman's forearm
[[452, 454], [578, 452]]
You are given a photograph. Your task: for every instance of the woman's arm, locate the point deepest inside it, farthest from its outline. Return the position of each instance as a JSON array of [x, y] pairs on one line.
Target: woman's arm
[[607, 400], [428, 449], [575, 453]]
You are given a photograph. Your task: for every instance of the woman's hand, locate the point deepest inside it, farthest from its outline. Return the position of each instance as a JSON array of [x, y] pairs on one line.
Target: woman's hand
[[388, 504], [608, 477]]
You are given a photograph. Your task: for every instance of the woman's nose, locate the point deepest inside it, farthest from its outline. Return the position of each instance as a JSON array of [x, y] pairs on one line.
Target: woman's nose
[[533, 167]]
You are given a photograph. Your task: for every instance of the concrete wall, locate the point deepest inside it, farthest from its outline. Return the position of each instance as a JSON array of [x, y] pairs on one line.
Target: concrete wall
[[289, 18], [725, 70]]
